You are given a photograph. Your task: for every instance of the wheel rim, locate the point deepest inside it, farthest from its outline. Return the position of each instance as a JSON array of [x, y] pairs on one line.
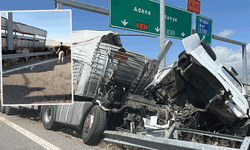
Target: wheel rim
[[88, 122], [47, 114]]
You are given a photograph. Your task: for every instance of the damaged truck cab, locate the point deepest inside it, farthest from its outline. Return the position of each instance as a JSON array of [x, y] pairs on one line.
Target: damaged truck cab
[[196, 79], [235, 100]]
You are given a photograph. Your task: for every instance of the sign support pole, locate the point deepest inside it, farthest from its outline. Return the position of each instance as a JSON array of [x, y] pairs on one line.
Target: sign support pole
[[244, 64], [58, 5], [162, 32]]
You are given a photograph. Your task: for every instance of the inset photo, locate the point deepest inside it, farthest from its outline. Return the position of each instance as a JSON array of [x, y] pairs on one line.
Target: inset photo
[[36, 57]]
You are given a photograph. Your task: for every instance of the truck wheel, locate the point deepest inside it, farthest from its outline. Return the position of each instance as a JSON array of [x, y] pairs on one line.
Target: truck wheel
[[49, 117], [94, 125], [9, 110]]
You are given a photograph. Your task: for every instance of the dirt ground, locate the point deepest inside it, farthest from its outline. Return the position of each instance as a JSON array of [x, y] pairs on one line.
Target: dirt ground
[[40, 84]]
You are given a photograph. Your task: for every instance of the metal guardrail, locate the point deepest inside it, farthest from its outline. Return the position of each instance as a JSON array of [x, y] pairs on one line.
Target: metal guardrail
[[23, 37], [80, 5], [26, 55], [169, 141]]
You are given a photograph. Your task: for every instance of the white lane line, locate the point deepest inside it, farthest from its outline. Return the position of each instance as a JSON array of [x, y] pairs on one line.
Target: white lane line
[[8, 71], [30, 135]]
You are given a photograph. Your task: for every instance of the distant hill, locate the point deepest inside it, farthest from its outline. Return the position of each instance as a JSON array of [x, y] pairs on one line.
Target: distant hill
[[54, 43]]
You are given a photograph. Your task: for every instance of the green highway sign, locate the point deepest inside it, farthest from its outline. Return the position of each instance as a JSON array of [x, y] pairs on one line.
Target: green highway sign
[[203, 26], [144, 16]]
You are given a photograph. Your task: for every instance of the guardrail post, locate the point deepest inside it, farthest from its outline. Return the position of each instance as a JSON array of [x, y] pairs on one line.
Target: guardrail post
[[245, 144], [26, 59], [170, 132]]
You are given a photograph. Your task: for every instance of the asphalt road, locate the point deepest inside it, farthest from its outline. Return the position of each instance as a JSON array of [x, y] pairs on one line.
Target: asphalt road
[[25, 132], [38, 82]]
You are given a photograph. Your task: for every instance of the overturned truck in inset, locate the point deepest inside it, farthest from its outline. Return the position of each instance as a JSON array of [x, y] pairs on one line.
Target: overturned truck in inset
[[112, 91]]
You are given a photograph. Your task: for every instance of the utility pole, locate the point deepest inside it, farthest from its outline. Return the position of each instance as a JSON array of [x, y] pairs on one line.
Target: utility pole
[[10, 31]]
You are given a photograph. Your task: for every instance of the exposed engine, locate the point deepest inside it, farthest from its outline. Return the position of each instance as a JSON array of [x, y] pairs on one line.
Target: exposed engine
[[188, 96], [195, 99]]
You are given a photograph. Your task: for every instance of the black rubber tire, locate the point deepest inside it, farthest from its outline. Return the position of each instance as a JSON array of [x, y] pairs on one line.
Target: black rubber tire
[[93, 128], [2, 109], [208, 49], [9, 110], [49, 117]]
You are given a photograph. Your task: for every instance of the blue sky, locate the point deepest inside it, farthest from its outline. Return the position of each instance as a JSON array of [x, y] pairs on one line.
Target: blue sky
[[56, 23], [231, 19]]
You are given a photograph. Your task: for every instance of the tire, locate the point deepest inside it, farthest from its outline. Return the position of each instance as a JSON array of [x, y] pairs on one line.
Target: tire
[[9, 110], [49, 117], [208, 50], [93, 125]]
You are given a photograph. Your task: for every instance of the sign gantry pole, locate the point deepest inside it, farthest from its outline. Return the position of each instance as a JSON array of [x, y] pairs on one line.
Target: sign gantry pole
[[162, 32]]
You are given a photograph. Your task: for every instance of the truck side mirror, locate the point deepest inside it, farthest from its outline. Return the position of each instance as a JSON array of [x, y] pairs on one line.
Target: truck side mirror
[[233, 71]]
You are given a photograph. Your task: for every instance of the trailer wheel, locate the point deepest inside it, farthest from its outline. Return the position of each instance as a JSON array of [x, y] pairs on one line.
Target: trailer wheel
[[49, 117], [94, 125], [9, 110]]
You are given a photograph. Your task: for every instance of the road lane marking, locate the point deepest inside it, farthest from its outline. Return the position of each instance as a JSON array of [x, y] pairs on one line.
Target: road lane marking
[[30, 135], [8, 71]]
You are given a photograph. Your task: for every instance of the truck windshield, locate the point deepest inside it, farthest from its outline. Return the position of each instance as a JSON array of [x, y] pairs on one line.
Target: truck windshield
[[232, 78]]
